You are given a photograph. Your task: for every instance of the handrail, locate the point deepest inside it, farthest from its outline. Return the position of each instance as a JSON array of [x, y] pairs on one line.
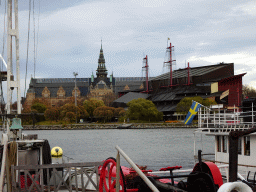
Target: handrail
[[5, 143], [134, 166]]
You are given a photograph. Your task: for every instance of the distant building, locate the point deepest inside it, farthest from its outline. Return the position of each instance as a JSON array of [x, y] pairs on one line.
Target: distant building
[[216, 82], [61, 89]]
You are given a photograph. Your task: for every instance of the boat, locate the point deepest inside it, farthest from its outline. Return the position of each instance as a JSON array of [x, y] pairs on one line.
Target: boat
[[125, 126]]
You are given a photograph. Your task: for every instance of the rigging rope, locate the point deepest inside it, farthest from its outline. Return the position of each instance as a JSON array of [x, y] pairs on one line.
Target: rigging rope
[[37, 31], [27, 49], [1, 69], [34, 37]]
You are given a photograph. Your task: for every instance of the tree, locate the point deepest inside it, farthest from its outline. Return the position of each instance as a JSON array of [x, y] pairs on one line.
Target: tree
[[26, 119], [104, 113], [143, 109], [118, 112], [42, 101], [248, 91], [109, 98], [77, 110], [184, 105], [91, 104], [39, 107], [52, 114], [71, 116]]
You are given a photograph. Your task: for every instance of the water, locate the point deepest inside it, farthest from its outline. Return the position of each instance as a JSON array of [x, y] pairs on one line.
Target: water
[[155, 148]]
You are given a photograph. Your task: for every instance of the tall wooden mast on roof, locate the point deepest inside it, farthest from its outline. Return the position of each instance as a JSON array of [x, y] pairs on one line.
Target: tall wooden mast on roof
[[145, 62], [170, 61]]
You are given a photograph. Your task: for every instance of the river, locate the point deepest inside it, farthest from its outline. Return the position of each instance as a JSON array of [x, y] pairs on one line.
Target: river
[[154, 148]]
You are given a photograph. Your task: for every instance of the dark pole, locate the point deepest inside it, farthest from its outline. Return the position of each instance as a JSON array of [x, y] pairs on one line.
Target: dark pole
[[75, 74], [233, 151], [233, 155]]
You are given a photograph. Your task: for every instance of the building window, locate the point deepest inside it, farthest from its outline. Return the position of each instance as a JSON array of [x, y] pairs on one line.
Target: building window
[[225, 144], [239, 146], [218, 143], [247, 145]]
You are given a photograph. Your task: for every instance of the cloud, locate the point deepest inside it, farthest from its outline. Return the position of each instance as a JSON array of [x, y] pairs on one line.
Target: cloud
[[203, 33]]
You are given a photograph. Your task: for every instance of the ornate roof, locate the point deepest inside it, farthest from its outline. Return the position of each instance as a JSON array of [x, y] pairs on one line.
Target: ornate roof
[[101, 70]]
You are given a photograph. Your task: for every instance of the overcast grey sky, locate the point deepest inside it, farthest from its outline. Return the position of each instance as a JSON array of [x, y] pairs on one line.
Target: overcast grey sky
[[204, 32]]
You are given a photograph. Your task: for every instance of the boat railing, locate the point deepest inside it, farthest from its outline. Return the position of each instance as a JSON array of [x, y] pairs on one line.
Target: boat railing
[[56, 177], [134, 166], [226, 119], [2, 176]]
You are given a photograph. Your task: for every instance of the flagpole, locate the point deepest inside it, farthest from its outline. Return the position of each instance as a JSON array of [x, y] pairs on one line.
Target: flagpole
[[202, 105]]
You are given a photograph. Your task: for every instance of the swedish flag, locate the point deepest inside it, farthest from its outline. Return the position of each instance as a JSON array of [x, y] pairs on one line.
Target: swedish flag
[[192, 112]]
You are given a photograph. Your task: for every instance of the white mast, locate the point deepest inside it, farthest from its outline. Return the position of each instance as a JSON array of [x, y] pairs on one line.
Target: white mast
[[12, 30]]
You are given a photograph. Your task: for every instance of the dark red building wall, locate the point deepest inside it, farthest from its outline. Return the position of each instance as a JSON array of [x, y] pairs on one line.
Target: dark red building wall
[[234, 84]]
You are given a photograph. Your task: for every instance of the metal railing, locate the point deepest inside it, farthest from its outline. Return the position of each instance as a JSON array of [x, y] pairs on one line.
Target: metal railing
[[134, 166], [55, 177], [222, 118]]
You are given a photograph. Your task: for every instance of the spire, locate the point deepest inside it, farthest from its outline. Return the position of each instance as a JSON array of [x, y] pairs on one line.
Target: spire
[[101, 70]]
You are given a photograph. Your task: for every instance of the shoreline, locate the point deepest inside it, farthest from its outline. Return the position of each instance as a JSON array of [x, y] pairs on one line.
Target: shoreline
[[105, 126]]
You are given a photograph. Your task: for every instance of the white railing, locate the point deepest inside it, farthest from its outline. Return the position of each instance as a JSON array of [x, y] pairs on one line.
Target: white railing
[[208, 118], [5, 144], [134, 166]]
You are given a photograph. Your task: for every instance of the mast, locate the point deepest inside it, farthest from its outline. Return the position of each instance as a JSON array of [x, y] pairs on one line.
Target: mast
[[12, 31], [145, 61], [188, 74], [169, 49]]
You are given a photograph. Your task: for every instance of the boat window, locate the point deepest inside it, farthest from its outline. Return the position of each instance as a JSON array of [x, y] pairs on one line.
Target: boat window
[[225, 144], [218, 144], [240, 146], [247, 145]]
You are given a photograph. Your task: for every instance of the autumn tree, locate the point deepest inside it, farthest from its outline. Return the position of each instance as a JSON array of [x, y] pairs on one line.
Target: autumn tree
[[26, 118], [38, 108], [109, 98], [42, 101], [71, 116], [248, 91], [118, 112], [91, 104], [104, 113], [52, 114], [79, 111], [143, 109]]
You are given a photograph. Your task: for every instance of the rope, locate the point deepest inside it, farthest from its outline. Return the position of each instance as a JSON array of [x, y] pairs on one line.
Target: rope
[[34, 31], [37, 33], [1, 69], [27, 48]]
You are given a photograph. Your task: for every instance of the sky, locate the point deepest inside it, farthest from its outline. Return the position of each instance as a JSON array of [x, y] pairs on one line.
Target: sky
[[68, 36]]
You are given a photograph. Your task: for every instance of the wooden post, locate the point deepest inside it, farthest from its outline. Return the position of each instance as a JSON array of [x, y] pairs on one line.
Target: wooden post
[[118, 172]]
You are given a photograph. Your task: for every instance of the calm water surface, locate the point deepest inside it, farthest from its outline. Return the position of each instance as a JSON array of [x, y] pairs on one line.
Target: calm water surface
[[155, 148]]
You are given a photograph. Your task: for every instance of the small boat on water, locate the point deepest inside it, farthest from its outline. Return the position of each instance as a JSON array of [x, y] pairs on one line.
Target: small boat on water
[[125, 126]]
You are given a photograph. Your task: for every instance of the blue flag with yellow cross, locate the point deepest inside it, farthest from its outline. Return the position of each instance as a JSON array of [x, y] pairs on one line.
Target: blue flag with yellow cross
[[192, 112]]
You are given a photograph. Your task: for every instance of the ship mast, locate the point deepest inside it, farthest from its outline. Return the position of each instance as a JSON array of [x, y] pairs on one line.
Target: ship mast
[[145, 62], [12, 31], [170, 62]]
